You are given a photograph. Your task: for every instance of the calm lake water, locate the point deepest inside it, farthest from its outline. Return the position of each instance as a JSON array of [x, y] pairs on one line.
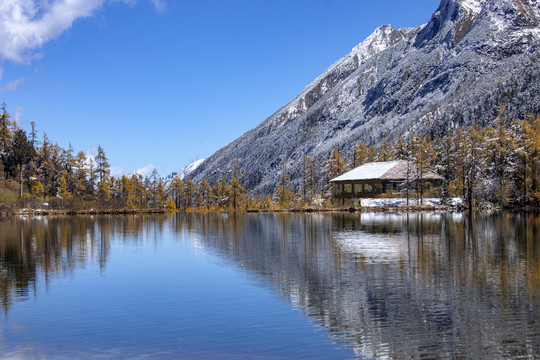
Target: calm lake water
[[271, 286]]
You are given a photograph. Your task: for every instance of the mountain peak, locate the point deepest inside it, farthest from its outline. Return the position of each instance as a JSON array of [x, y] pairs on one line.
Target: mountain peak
[[381, 39], [451, 22]]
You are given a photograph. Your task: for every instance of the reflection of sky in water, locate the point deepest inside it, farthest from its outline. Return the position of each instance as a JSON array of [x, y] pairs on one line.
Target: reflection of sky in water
[[148, 292]]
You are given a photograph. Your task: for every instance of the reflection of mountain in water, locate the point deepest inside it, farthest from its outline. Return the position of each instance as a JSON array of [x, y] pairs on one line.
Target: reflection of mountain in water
[[389, 285], [397, 286]]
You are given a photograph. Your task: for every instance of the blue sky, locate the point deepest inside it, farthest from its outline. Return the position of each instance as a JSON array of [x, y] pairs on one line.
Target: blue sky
[[161, 83]]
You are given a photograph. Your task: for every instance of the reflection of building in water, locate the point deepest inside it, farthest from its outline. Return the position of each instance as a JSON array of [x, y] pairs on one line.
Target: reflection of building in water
[[395, 286]]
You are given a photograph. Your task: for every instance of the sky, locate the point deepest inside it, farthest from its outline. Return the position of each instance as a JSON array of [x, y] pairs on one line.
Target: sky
[[162, 83]]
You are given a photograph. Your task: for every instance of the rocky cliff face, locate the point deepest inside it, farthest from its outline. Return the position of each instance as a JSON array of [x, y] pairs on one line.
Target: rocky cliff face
[[471, 57]]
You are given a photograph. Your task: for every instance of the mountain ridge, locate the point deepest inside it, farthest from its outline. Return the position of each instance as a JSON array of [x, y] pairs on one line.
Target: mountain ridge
[[454, 70]]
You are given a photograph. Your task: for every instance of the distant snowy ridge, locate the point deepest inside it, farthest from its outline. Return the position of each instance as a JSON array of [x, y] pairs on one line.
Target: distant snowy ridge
[[470, 58], [182, 173]]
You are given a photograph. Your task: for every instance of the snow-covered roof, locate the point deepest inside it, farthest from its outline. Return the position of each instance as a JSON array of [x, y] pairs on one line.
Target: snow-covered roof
[[385, 170]]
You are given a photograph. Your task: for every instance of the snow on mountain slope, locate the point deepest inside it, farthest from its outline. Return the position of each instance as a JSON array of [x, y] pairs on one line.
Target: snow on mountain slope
[[182, 173], [471, 57]]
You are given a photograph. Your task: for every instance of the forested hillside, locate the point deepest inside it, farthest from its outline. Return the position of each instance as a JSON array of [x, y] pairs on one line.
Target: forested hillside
[[497, 163]]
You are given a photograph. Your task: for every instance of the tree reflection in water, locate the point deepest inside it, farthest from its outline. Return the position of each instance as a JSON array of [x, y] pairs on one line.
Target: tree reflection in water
[[387, 285]]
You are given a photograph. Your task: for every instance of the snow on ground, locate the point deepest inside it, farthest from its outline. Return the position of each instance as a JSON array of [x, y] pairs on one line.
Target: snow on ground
[[472, 5]]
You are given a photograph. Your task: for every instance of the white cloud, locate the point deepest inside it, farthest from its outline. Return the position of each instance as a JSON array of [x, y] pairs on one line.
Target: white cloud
[[117, 171], [12, 85], [145, 171], [91, 152], [25, 25], [18, 115], [159, 5]]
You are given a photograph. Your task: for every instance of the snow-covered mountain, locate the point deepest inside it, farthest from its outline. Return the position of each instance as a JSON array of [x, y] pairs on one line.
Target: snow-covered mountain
[[471, 58], [183, 173]]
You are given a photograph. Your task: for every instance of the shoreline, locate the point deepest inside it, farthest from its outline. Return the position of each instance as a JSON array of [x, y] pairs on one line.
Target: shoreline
[[375, 209]]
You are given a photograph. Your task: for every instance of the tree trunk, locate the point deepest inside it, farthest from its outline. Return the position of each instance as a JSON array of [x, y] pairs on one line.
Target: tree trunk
[[21, 178]]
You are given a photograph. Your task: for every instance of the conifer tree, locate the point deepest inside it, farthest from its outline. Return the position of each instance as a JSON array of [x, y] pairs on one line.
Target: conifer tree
[[473, 163], [384, 152], [104, 190], [500, 162], [171, 206], [309, 179], [161, 195], [19, 153], [283, 192], [102, 165], [189, 194], [423, 155], [335, 166], [400, 150], [204, 194], [153, 188], [176, 190], [138, 190], [238, 192], [5, 132], [63, 191], [5, 135], [33, 135], [360, 155], [372, 154], [80, 179], [218, 194]]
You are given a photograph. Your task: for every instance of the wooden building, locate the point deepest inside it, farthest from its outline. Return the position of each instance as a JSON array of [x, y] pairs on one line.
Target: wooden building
[[381, 179]]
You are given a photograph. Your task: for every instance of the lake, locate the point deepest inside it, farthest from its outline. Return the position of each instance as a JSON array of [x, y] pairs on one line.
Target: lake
[[271, 286]]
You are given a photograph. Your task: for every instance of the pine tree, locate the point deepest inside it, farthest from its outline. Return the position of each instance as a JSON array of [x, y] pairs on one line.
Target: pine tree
[[5, 136], [360, 155], [384, 152], [500, 162], [5, 132], [153, 188], [204, 194], [238, 192], [138, 190], [104, 191], [63, 191], [423, 156], [102, 165], [188, 195], [176, 190], [335, 166], [33, 135], [283, 191], [19, 153], [309, 179], [80, 179], [171, 206], [161, 195], [400, 150], [473, 163], [218, 194]]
